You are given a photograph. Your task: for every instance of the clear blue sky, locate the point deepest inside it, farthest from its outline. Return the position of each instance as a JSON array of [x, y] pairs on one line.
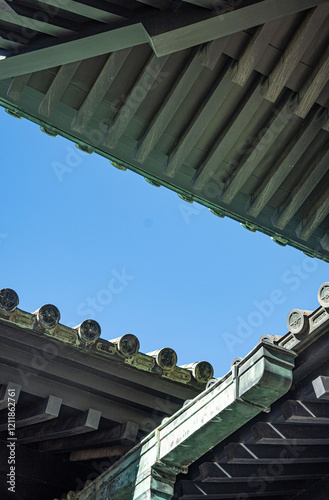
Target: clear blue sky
[[101, 243]]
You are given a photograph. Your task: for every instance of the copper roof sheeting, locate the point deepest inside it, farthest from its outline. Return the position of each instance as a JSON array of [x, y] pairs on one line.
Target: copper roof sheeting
[[80, 401], [276, 452], [282, 454], [225, 104]]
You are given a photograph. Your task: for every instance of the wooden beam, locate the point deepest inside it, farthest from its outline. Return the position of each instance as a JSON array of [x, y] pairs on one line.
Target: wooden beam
[[195, 129], [314, 217], [283, 166], [62, 427], [149, 75], [98, 10], [9, 15], [125, 434], [254, 51], [211, 52], [85, 46], [260, 454], [17, 86], [187, 28], [10, 390], [10, 44], [239, 118], [77, 397], [57, 88], [97, 92], [46, 409], [196, 490], [305, 413], [216, 472], [304, 186], [281, 115], [188, 76], [295, 50], [313, 86], [90, 454], [288, 433]]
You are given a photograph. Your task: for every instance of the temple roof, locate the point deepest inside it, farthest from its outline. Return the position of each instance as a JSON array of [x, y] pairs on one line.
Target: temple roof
[[225, 103], [263, 426], [75, 392]]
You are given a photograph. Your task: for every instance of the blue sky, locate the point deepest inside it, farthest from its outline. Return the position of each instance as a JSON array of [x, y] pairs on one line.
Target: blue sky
[[105, 244]]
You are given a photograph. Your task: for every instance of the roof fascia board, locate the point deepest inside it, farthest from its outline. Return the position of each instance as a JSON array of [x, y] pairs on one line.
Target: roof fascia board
[[71, 51], [218, 210], [170, 33], [261, 379], [166, 33]]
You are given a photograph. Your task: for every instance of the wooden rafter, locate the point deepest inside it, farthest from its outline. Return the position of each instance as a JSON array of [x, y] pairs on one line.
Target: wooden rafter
[[246, 108], [303, 412], [313, 219], [197, 126], [57, 88], [250, 160], [47, 409], [220, 472], [313, 86], [298, 434], [125, 434], [102, 84], [297, 46], [209, 54], [97, 10], [305, 134], [60, 427], [9, 15], [17, 87], [149, 75], [178, 92], [307, 182], [254, 51]]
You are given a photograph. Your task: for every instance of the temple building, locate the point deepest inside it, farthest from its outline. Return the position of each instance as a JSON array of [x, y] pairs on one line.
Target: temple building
[[98, 419], [223, 101]]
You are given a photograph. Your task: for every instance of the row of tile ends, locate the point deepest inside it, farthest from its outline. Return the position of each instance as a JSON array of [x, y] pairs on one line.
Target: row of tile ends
[[86, 336], [46, 320]]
